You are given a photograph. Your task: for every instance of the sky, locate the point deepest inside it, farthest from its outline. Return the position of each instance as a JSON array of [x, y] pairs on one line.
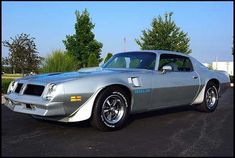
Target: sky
[[209, 24]]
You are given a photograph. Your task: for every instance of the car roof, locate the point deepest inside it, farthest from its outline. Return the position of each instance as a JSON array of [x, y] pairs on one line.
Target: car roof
[[159, 52]]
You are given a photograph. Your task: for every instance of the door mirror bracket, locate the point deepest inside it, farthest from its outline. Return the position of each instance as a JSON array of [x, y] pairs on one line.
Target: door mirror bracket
[[166, 68]]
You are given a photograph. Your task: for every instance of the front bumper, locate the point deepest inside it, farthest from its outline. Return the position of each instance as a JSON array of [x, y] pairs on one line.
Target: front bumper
[[33, 105]]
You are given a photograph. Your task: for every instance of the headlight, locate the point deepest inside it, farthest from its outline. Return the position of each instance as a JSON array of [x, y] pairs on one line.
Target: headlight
[[51, 91], [12, 87]]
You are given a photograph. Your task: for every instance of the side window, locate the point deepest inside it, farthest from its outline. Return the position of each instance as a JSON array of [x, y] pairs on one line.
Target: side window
[[186, 65], [177, 62], [167, 59]]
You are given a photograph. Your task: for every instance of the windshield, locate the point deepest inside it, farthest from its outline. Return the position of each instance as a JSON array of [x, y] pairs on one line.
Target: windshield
[[132, 60]]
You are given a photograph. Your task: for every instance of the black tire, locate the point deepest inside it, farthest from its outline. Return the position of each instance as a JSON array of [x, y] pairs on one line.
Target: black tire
[[205, 106], [102, 110]]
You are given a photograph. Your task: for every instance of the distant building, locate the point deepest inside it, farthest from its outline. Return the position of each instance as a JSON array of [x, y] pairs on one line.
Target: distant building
[[221, 65], [225, 66]]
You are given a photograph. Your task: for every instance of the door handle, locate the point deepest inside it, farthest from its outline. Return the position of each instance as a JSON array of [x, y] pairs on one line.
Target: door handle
[[195, 77]]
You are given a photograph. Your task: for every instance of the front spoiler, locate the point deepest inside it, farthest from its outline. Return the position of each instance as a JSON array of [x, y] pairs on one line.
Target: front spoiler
[[81, 114], [53, 111], [33, 105]]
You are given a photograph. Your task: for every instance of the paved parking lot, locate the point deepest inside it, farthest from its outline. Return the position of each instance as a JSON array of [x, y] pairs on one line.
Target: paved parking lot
[[179, 131]]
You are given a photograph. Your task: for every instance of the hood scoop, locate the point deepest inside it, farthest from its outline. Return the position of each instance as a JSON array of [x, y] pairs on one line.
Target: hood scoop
[[54, 74]]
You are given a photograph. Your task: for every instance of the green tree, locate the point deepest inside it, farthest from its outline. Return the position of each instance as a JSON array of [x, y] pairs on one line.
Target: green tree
[[83, 42], [58, 61], [23, 53], [93, 61], [6, 68], [164, 35], [5, 61], [108, 56]]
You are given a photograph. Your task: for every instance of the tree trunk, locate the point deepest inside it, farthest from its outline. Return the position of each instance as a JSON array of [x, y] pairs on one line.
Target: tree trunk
[[22, 72], [13, 70]]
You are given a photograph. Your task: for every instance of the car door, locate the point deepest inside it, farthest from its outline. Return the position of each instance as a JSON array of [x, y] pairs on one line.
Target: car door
[[176, 87]]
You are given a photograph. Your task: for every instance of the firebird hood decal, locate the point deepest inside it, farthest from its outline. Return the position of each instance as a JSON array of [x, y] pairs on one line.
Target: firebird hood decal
[[67, 76]]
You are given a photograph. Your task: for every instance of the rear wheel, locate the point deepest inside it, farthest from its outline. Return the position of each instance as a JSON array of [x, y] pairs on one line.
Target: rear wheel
[[211, 99], [111, 109]]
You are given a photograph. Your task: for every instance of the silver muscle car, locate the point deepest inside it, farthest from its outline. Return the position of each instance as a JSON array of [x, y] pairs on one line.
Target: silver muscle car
[[130, 82]]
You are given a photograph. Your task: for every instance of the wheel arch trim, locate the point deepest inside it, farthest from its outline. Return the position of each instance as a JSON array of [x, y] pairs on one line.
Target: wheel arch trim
[[200, 97], [84, 112]]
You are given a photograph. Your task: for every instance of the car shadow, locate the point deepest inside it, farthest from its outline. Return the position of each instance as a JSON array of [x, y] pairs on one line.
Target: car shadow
[[131, 118], [159, 112], [81, 124]]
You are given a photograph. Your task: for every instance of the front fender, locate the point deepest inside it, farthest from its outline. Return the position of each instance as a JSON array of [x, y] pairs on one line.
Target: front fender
[[84, 112]]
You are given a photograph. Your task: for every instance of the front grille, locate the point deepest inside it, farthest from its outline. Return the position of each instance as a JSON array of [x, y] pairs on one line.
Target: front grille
[[34, 90], [18, 88]]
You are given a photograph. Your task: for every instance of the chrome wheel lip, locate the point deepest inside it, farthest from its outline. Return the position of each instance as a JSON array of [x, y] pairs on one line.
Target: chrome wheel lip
[[211, 97], [113, 108]]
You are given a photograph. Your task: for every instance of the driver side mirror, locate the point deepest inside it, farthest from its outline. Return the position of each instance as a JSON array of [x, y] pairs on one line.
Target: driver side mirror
[[166, 68]]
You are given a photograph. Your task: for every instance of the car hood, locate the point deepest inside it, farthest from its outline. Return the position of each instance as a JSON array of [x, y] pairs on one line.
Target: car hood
[[68, 76]]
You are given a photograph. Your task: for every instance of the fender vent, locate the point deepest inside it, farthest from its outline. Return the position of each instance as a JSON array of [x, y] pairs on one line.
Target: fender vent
[[134, 81]]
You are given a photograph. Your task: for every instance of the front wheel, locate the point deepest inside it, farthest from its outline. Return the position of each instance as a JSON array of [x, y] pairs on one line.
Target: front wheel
[[111, 109], [211, 98]]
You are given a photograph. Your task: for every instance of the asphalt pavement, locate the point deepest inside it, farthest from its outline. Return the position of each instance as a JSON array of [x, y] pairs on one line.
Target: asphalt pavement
[[179, 131]]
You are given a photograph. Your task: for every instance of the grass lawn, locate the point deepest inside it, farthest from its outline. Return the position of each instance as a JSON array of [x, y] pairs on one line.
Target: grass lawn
[[13, 76], [6, 79]]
